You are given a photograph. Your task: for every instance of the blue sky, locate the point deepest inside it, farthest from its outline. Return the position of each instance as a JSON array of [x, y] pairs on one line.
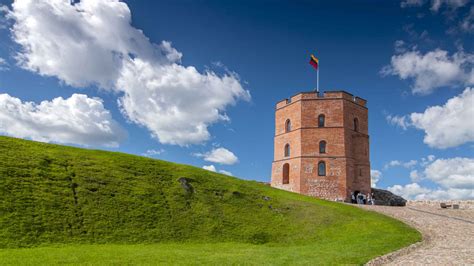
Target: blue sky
[[403, 57]]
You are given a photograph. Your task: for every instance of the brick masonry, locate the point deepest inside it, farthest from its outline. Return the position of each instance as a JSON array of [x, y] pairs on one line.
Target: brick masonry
[[347, 150]]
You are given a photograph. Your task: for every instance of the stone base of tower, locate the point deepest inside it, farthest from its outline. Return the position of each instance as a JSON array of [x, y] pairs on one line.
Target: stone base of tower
[[342, 178]]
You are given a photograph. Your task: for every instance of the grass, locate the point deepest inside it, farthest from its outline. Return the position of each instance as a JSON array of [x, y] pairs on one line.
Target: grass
[[61, 204]]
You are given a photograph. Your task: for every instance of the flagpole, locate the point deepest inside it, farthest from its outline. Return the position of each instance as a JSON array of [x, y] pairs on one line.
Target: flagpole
[[317, 80]]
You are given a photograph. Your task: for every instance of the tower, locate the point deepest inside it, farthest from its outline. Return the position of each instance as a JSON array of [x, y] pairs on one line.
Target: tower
[[321, 145]]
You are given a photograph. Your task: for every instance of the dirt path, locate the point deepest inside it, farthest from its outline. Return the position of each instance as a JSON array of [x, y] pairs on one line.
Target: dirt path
[[448, 235]]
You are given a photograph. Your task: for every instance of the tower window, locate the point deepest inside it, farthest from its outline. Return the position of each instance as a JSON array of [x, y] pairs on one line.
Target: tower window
[[286, 173], [287, 150], [321, 121], [322, 146], [321, 168], [360, 172], [288, 125], [356, 124]]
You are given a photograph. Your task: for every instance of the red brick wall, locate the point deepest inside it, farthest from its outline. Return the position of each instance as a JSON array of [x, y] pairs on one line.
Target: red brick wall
[[347, 151]]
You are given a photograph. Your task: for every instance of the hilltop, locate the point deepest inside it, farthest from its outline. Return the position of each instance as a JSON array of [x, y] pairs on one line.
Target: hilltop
[[93, 200]]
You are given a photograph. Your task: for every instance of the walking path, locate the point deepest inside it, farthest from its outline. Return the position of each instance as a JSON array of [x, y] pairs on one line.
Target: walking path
[[448, 235]]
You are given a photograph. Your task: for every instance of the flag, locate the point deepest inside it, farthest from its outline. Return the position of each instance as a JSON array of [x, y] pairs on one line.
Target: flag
[[314, 62]]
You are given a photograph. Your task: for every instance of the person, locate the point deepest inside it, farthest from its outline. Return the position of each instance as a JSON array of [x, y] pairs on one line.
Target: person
[[373, 199], [353, 199], [360, 198], [364, 199], [369, 198]]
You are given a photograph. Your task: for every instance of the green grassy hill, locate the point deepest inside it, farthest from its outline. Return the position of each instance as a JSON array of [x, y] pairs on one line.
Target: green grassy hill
[[54, 195]]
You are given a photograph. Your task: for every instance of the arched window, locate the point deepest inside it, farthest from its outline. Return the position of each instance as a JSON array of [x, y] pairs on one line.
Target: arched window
[[288, 125], [321, 121], [287, 150], [286, 173], [322, 146], [356, 124], [321, 168]]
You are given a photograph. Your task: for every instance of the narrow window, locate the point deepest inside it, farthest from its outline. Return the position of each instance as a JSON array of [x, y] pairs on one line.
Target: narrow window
[[356, 124], [288, 125], [286, 173], [321, 121], [287, 150], [321, 168], [360, 172], [322, 146]]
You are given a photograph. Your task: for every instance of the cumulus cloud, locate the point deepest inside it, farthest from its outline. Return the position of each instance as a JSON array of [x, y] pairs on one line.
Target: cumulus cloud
[[453, 176], [432, 70], [219, 155], [455, 172], [211, 168], [449, 125], [75, 120], [175, 103], [416, 192], [375, 176], [409, 191], [445, 126]]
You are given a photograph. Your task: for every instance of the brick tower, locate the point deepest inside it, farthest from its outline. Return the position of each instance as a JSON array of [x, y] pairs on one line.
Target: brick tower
[[322, 145]]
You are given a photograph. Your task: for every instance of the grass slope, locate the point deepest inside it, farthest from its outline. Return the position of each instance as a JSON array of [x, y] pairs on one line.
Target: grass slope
[[61, 204]]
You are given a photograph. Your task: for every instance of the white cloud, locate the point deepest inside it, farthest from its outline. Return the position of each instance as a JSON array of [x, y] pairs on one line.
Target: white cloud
[[225, 172], [452, 173], [395, 163], [432, 70], [409, 191], [209, 168], [152, 152], [453, 176], [445, 126], [58, 38], [375, 176], [212, 168], [175, 103], [449, 125], [415, 191], [219, 155], [76, 120]]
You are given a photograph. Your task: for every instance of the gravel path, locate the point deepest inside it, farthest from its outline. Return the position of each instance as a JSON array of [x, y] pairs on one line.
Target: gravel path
[[448, 235]]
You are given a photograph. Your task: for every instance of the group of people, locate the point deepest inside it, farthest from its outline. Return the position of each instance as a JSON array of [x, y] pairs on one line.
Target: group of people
[[361, 198]]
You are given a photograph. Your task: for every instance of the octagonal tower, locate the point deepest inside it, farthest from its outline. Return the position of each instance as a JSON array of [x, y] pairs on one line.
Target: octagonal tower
[[321, 145]]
